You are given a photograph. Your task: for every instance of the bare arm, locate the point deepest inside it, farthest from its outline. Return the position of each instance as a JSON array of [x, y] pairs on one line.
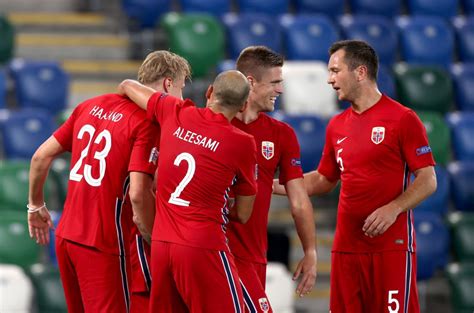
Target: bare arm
[[302, 212], [421, 188], [242, 209], [315, 184], [40, 222], [138, 93], [143, 203]]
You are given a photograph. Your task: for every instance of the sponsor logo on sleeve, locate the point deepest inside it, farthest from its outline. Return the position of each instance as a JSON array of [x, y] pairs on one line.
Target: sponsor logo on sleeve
[[295, 162], [268, 149], [153, 155], [378, 134], [423, 150]]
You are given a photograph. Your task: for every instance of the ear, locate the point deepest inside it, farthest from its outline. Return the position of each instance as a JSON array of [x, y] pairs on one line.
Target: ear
[[361, 72], [167, 83], [244, 107], [251, 80], [209, 92]]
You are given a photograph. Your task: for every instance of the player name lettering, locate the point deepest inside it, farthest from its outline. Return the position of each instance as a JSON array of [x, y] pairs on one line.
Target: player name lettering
[[99, 113], [196, 139]]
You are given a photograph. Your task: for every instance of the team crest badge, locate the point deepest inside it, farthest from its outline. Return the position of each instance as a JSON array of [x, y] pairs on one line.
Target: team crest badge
[[264, 304], [378, 134], [268, 149]]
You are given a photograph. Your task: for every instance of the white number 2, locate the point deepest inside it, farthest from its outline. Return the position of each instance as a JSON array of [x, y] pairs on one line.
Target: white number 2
[[99, 155], [174, 198], [392, 300]]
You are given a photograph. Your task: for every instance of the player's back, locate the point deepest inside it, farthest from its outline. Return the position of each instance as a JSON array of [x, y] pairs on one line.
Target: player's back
[[101, 135], [201, 154]]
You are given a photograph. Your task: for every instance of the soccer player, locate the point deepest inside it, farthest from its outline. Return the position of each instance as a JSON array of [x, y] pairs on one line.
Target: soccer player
[[114, 153], [201, 155], [372, 147], [278, 149]]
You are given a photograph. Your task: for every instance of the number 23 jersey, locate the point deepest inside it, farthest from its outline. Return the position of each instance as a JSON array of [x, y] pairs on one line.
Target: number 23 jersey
[[109, 136]]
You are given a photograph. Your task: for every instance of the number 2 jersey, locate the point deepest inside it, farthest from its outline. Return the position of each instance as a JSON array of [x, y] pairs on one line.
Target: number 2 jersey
[[109, 136], [201, 155], [373, 154]]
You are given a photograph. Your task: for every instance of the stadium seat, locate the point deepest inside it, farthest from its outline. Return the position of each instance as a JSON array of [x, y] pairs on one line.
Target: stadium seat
[[280, 288], [145, 13], [16, 290], [462, 132], [23, 131], [214, 7], [438, 202], [244, 30], [274, 7], [464, 30], [49, 290], [462, 229], [278, 247], [40, 84], [386, 81], [461, 281], [55, 216], [310, 131], [424, 88], [16, 246], [438, 135], [378, 31], [463, 77], [430, 228], [387, 8], [331, 8], [305, 78], [60, 176], [462, 188], [421, 38], [442, 8], [3, 89], [199, 38], [225, 65], [308, 37], [7, 44], [468, 6]]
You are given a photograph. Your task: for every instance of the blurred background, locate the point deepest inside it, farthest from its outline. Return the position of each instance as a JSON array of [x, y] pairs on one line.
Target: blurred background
[[56, 53]]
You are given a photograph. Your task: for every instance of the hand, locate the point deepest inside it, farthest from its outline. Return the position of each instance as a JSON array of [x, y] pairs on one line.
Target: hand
[[381, 219], [306, 267], [39, 224]]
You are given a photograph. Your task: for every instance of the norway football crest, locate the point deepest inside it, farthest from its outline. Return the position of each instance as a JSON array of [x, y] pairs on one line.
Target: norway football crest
[[268, 149], [378, 134], [264, 304]]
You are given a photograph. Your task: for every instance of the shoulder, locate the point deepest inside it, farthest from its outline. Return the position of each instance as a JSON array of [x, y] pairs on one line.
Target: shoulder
[[339, 118]]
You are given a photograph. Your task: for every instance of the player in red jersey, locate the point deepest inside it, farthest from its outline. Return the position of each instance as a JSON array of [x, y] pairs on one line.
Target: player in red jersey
[[372, 147], [278, 149], [114, 153], [201, 156]]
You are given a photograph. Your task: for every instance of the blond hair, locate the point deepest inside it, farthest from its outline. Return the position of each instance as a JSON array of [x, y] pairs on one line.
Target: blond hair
[[162, 63]]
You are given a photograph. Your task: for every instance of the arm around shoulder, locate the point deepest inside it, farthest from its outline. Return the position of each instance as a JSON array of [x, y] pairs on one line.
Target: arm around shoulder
[[242, 209], [137, 92]]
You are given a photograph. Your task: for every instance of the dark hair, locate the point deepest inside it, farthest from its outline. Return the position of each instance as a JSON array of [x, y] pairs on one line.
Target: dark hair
[[358, 53], [253, 59]]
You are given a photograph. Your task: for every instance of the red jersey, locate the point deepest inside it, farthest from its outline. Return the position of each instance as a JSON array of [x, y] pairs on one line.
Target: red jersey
[[109, 136], [277, 148], [373, 154], [201, 155]]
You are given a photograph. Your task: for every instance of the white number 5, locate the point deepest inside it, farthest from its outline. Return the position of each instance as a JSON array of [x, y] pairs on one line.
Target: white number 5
[[392, 300], [174, 198]]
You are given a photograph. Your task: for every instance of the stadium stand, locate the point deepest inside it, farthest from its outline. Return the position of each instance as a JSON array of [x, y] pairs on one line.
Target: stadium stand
[[214, 7], [386, 81], [7, 44], [16, 290], [462, 188], [461, 281], [387, 8], [49, 291], [462, 132], [331, 8], [438, 135], [463, 77], [3, 89], [464, 30], [462, 229], [145, 13], [438, 202], [274, 7], [442, 8]]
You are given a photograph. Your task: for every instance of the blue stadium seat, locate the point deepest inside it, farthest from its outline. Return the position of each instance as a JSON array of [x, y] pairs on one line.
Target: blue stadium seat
[[430, 229], [244, 30], [464, 29], [462, 188], [463, 76], [378, 31], [214, 7], [439, 200], [40, 84], [23, 131], [308, 37], [274, 7], [462, 134], [386, 81], [310, 131], [145, 13], [427, 40], [331, 8], [225, 65], [387, 8], [3, 89], [468, 6], [441, 8]]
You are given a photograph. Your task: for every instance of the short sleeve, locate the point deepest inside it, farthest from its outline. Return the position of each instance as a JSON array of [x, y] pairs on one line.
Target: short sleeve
[[414, 142], [144, 156], [328, 166], [290, 161], [64, 134], [246, 184]]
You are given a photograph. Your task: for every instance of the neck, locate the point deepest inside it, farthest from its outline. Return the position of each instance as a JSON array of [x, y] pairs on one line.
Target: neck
[[248, 116], [366, 99], [228, 114]]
